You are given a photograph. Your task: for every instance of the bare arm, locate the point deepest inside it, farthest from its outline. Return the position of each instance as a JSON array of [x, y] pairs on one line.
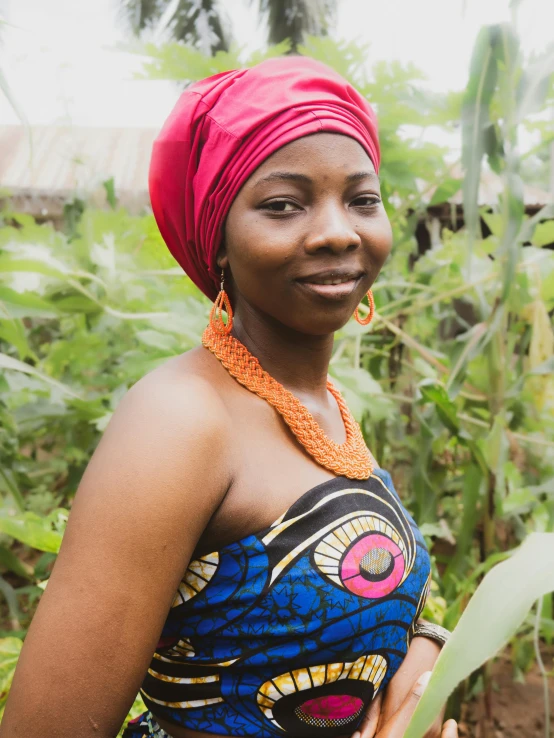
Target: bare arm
[[148, 492]]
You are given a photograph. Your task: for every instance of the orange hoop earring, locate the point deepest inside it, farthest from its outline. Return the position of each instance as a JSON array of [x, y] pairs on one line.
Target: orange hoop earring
[[369, 318], [221, 303]]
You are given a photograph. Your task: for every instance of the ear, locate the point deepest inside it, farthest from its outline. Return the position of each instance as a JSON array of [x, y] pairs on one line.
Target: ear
[[222, 259]]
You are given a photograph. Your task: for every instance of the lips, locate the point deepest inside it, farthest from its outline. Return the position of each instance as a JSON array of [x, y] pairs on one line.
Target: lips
[[332, 277], [331, 284]]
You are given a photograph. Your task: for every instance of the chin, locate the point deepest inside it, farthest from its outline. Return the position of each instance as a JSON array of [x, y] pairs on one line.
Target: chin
[[322, 327]]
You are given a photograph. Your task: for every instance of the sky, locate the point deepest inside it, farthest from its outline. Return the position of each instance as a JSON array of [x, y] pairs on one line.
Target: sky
[[61, 61]]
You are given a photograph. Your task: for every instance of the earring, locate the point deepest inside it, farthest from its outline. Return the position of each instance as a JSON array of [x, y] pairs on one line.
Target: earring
[[369, 318], [216, 313]]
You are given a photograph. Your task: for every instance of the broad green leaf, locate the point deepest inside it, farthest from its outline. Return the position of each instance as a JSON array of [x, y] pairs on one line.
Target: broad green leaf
[[13, 331], [494, 222], [495, 446], [9, 264], [509, 591], [476, 117], [446, 409], [520, 500], [8, 484], [10, 648], [12, 563], [544, 234], [362, 393], [8, 362], [32, 530], [26, 304], [445, 191]]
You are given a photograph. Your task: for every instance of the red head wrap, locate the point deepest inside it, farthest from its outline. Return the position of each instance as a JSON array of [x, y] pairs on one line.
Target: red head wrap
[[223, 128]]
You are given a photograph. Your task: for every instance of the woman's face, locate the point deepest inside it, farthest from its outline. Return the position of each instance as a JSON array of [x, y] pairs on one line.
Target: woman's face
[[307, 234]]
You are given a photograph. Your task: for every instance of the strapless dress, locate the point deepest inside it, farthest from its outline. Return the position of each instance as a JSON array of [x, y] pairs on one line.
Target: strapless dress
[[293, 630]]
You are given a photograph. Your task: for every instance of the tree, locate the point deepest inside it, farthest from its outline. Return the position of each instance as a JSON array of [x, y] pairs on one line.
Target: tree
[[199, 23], [203, 24], [294, 19]]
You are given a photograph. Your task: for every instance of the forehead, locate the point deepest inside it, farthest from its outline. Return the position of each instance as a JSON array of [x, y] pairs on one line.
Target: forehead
[[318, 153]]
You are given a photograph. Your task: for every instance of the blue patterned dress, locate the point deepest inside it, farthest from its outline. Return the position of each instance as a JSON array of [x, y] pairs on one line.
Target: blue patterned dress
[[295, 629]]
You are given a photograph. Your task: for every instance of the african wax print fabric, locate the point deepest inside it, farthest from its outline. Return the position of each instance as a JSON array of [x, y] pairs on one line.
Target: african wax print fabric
[[294, 630]]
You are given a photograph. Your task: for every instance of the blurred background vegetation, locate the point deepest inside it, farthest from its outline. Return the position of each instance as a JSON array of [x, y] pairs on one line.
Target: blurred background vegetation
[[453, 383]]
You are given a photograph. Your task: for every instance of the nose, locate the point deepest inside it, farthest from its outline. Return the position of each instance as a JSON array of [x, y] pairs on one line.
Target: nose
[[331, 229]]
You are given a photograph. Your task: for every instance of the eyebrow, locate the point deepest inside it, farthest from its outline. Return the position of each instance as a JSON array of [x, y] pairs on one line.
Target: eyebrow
[[297, 177], [357, 176], [286, 176]]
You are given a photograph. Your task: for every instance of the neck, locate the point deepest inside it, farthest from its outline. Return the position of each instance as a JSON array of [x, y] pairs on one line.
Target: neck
[[298, 361]]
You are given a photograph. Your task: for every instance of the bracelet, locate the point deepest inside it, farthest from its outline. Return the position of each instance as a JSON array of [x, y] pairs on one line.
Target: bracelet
[[430, 630]]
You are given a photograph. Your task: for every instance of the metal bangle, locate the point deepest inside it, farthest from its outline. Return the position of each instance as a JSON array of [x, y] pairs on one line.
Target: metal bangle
[[430, 630]]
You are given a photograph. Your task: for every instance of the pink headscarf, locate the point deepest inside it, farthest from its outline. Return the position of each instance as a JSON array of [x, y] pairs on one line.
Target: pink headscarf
[[223, 128]]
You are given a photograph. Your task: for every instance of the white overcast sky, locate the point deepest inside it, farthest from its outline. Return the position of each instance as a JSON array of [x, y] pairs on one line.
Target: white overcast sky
[[59, 57]]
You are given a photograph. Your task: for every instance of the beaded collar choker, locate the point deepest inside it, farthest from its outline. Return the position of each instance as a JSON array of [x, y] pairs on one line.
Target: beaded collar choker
[[350, 459]]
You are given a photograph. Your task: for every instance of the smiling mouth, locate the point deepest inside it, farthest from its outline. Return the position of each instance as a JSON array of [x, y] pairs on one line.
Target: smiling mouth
[[335, 280], [331, 287]]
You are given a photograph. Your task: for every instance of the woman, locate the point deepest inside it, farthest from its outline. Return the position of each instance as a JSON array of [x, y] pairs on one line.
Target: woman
[[232, 537]]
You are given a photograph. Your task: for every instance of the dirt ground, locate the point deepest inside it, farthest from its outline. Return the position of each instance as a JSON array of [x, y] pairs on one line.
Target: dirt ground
[[517, 709]]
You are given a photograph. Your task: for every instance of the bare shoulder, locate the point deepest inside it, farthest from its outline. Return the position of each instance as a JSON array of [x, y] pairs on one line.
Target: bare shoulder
[[166, 435], [153, 483], [184, 388]]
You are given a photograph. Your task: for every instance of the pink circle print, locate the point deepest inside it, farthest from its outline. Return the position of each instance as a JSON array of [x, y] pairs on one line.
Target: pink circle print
[[373, 567]]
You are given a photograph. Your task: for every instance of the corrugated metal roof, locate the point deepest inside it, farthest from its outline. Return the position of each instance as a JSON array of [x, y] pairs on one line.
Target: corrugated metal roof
[[67, 159]]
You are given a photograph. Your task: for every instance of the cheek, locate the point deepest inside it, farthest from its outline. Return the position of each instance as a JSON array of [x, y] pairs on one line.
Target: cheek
[[378, 235], [256, 244]]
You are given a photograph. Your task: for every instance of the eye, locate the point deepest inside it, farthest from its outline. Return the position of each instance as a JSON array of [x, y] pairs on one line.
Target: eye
[[280, 206], [198, 574], [366, 556], [366, 201], [327, 696]]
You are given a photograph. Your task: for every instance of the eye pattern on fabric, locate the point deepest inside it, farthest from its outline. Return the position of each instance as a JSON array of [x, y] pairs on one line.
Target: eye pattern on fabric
[[237, 649], [198, 574], [366, 556], [325, 696]]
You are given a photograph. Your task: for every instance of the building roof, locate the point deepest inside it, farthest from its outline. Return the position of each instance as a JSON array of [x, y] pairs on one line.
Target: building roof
[[57, 162], [67, 161]]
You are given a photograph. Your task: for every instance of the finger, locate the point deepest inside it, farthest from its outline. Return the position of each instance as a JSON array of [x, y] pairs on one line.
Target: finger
[[450, 729], [368, 726], [435, 731], [396, 726]]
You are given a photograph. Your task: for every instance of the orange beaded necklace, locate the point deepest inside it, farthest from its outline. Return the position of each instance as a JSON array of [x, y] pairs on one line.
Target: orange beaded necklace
[[350, 459]]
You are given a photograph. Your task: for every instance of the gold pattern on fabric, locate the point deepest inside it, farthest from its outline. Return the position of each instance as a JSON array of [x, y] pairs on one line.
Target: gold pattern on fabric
[[198, 574], [367, 668]]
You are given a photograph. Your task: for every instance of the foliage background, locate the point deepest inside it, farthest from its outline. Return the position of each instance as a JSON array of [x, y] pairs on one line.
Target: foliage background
[[453, 383]]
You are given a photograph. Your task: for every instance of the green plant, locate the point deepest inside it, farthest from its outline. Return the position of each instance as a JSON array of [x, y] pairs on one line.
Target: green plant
[[453, 383]]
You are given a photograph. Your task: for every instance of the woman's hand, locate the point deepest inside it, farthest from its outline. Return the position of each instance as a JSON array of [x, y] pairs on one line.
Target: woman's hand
[[385, 709], [421, 657], [396, 725]]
